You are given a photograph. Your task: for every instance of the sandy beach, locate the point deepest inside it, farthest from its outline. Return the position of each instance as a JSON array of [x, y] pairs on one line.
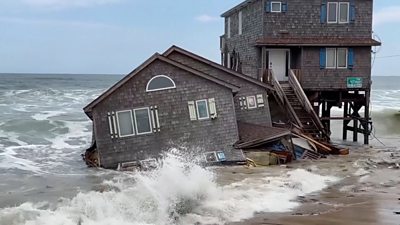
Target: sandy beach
[[368, 192]]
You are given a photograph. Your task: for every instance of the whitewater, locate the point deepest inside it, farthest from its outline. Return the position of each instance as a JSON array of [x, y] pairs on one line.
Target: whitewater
[[43, 131]]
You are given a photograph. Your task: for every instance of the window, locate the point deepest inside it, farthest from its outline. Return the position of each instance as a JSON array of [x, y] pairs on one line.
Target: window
[[125, 123], [276, 6], [332, 12], [251, 102], [342, 58], [344, 12], [142, 119], [160, 82], [338, 12], [336, 58], [330, 58], [240, 23], [202, 109], [134, 122]]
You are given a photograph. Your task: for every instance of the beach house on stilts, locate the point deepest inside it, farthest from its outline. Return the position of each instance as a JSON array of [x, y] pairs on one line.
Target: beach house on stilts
[[315, 53]]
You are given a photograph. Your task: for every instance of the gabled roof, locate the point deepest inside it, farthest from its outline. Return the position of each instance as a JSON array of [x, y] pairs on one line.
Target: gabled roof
[[317, 41], [155, 57], [216, 66], [237, 8]]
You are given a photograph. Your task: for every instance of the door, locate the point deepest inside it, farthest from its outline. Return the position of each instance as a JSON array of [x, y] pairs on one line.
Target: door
[[279, 63]]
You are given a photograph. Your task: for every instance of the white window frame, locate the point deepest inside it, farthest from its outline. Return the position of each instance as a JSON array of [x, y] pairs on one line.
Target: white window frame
[[335, 56], [337, 12], [346, 58], [133, 125], [215, 155], [197, 110], [280, 7], [228, 29], [348, 12], [160, 89], [148, 113], [240, 22], [255, 102]]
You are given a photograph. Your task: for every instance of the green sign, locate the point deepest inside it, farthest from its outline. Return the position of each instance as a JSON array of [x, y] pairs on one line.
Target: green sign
[[354, 82]]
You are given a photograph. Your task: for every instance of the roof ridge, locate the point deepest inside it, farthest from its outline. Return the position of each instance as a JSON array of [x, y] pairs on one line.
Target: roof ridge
[[214, 64]]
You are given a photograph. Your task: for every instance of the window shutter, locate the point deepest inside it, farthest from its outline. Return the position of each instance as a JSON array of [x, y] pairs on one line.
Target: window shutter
[[153, 120], [322, 58], [268, 6], [192, 110], [260, 100], [352, 11], [350, 58], [212, 107], [284, 7], [157, 119], [114, 123], [323, 12], [111, 125]]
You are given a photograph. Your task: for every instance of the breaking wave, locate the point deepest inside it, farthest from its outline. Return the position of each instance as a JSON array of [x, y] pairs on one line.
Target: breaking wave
[[176, 192]]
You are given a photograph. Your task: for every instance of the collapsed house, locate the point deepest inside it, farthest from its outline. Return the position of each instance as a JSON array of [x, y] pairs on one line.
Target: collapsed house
[[177, 98], [284, 65]]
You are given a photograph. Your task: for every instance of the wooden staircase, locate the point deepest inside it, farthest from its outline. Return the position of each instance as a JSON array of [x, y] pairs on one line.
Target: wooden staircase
[[294, 101], [307, 123]]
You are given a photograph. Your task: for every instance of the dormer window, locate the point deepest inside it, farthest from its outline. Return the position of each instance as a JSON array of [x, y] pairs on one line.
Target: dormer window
[[159, 83]]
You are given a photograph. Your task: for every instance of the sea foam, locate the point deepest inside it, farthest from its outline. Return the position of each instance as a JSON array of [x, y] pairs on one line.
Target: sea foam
[[176, 192]]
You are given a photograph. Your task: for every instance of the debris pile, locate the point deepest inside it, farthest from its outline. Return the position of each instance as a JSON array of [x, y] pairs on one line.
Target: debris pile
[[264, 146]]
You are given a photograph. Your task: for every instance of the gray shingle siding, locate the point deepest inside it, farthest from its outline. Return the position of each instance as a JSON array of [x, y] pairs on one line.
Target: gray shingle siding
[[176, 127], [259, 116], [244, 43], [318, 79], [302, 20]]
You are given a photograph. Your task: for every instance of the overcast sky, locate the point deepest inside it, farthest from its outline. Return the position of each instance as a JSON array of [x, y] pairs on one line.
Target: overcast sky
[[115, 36]]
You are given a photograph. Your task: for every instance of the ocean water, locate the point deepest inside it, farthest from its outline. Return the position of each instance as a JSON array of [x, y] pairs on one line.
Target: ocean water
[[43, 179]]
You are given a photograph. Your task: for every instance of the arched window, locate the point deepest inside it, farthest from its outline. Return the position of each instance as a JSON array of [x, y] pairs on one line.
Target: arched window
[[160, 82]]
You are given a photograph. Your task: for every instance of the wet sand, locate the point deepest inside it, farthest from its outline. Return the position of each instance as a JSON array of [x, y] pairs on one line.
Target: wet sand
[[368, 193]]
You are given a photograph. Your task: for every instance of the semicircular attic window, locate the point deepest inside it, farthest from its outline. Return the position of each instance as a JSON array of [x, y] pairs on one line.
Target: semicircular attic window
[[160, 82]]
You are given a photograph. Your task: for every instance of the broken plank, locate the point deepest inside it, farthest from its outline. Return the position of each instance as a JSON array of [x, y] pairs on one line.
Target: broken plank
[[324, 147]]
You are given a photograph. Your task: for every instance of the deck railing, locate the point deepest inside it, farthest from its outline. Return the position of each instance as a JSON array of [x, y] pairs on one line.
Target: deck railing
[[284, 101], [298, 74], [298, 90]]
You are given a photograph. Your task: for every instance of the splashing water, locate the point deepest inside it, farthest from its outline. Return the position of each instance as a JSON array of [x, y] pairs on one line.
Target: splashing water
[[176, 192]]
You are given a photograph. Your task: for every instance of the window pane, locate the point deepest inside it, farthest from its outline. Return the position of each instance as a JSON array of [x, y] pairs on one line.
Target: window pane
[[142, 121], [125, 123], [331, 58], [160, 82], [202, 109], [332, 12], [344, 13], [251, 102], [275, 6], [342, 57]]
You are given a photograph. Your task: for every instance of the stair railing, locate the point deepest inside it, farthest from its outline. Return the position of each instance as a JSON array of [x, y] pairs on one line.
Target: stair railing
[[283, 99], [301, 95]]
